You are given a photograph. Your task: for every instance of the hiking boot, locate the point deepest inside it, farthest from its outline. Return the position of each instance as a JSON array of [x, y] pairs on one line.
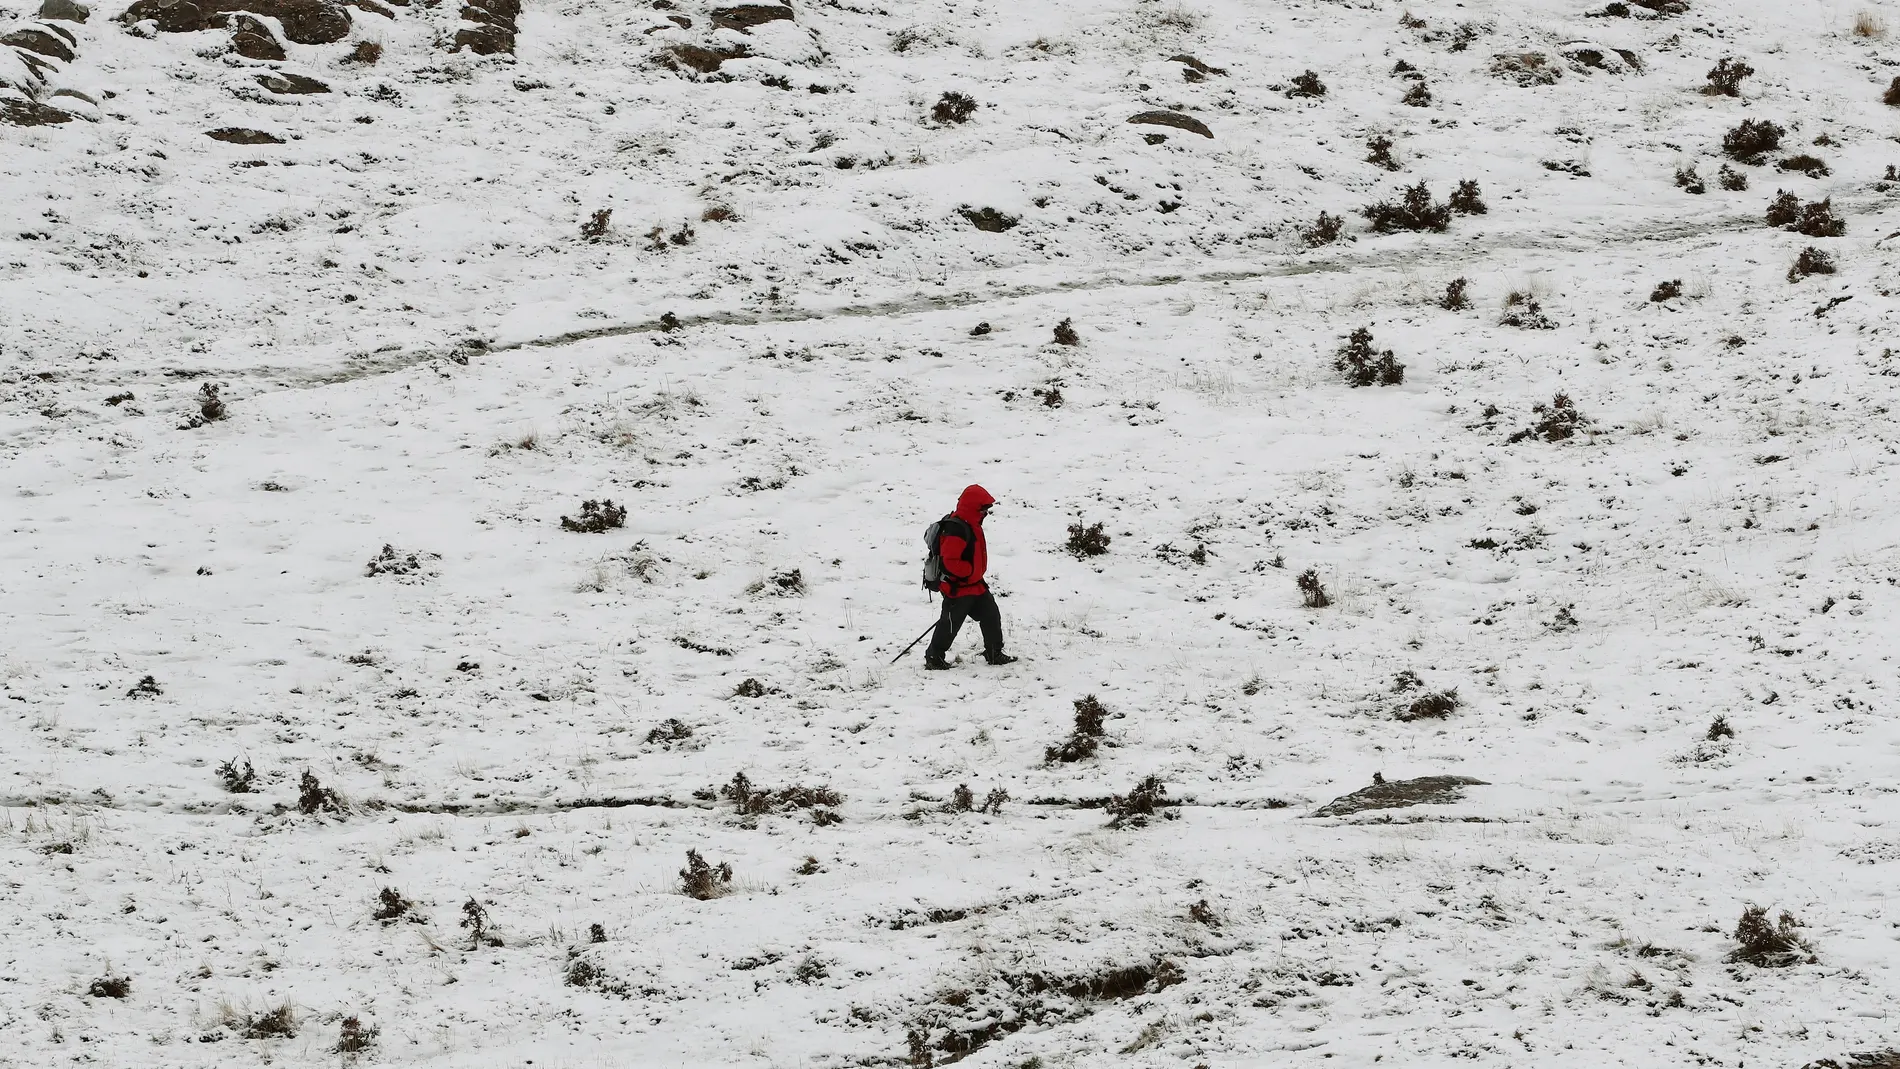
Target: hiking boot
[[998, 658], [936, 664]]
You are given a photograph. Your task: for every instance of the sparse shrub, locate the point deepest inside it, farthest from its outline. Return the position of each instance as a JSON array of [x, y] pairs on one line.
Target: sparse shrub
[[1418, 96], [1416, 210], [355, 1037], [1363, 365], [1089, 541], [1307, 84], [391, 907], [1524, 311], [1406, 680], [236, 780], [595, 227], [658, 239], [596, 933], [110, 987], [962, 800], [1719, 729], [1323, 232], [279, 1022], [1752, 140], [1725, 78], [586, 973], [809, 866], [1455, 299], [596, 517], [1466, 200], [1557, 421], [210, 405], [1202, 913], [1784, 210], [1564, 620], [1812, 166], [754, 801], [390, 562], [1688, 180], [1313, 594], [953, 108], [1891, 97], [993, 802], [147, 687], [1090, 718], [1812, 261], [314, 797], [1065, 333], [719, 213], [811, 970], [475, 919], [748, 688], [1147, 799], [703, 881], [1770, 946], [786, 583], [1817, 220], [1666, 291], [1437, 705], [1379, 153], [1868, 24], [1731, 179]]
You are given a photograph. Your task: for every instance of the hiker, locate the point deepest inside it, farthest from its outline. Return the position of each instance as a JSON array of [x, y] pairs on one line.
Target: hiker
[[964, 556]]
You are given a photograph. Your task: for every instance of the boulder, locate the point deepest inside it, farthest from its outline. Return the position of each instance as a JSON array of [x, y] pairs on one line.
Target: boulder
[[65, 10], [307, 22], [1174, 119], [20, 111], [257, 37], [42, 40], [493, 30], [170, 16], [285, 83]]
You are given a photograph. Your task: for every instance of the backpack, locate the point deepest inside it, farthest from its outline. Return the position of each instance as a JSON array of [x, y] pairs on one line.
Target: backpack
[[934, 573]]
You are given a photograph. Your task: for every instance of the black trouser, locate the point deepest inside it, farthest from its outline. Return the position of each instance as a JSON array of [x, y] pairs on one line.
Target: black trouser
[[955, 611]]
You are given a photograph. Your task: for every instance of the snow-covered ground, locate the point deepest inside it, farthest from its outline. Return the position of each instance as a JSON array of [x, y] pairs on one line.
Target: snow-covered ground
[[417, 348]]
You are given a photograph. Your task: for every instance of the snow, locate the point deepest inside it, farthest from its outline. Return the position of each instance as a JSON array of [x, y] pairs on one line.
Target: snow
[[417, 348]]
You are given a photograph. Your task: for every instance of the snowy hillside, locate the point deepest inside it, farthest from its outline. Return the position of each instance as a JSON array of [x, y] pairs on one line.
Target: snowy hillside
[[333, 734]]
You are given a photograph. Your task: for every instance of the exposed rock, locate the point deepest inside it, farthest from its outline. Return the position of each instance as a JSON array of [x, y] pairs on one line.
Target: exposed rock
[[20, 111], [697, 57], [288, 84], [238, 135], [1426, 790], [44, 40], [178, 16], [745, 16], [1196, 65], [65, 10], [988, 220], [257, 37], [1174, 119], [494, 26], [307, 22]]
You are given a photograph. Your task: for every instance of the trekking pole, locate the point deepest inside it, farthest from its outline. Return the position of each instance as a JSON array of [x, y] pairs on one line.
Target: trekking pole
[[915, 641]]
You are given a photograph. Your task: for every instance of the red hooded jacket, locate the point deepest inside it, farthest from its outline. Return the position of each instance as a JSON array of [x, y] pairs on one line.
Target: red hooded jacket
[[968, 576]]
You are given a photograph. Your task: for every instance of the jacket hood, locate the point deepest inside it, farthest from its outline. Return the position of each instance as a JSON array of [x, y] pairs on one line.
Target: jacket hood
[[970, 503]]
